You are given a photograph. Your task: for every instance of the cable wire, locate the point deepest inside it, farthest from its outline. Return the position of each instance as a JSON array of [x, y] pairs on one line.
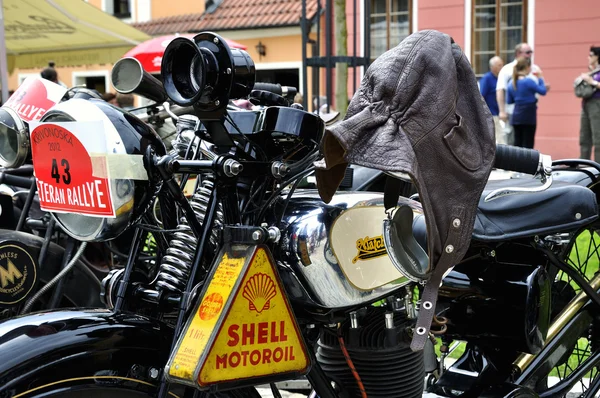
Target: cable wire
[[53, 281]]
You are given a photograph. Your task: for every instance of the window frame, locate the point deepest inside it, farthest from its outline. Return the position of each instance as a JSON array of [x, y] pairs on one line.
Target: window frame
[[497, 30], [388, 19], [121, 15]]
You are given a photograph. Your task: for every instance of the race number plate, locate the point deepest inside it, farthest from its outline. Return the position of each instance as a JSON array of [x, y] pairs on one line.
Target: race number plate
[[243, 328], [34, 97], [69, 161]]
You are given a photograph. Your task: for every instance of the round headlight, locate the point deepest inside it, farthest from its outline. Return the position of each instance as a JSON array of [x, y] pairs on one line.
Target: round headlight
[[125, 135], [14, 139]]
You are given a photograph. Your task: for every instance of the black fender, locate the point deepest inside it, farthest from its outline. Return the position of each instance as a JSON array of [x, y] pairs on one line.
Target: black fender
[[81, 286], [45, 347]]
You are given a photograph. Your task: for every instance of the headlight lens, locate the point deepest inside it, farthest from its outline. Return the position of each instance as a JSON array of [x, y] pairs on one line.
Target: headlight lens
[[14, 139]]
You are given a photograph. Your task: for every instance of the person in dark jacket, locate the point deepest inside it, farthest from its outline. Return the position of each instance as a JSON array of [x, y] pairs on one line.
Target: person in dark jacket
[[522, 92], [49, 73], [487, 87], [589, 134]]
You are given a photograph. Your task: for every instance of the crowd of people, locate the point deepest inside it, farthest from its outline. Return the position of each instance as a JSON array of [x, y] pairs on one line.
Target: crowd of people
[[512, 91]]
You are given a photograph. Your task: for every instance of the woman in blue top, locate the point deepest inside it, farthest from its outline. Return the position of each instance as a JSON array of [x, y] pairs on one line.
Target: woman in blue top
[[522, 92]]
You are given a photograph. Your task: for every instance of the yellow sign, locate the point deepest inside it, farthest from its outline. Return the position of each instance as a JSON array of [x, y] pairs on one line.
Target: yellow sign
[[259, 336], [184, 362], [247, 328]]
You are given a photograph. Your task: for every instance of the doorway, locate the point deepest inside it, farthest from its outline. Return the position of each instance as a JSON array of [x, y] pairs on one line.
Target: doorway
[[92, 80]]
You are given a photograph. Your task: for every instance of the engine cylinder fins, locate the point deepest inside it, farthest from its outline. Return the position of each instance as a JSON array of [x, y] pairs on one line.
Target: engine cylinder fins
[[386, 370]]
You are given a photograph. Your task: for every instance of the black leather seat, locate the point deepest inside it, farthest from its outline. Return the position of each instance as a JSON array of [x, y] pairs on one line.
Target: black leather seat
[[562, 207]]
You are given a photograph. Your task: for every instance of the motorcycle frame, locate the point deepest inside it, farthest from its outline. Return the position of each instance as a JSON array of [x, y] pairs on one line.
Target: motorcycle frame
[[224, 193]]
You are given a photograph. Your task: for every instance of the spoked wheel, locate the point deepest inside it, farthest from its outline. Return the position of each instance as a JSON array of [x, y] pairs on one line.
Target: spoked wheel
[[583, 254]]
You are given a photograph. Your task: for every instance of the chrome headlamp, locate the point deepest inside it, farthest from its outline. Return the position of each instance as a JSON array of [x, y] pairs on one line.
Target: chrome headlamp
[[125, 135], [14, 139]]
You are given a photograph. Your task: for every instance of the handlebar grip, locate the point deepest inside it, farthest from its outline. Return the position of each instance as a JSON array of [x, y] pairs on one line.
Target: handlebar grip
[[290, 91], [270, 87], [17, 181], [518, 159]]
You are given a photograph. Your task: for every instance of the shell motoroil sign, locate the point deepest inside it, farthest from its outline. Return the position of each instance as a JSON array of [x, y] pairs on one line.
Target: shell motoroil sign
[[242, 328]]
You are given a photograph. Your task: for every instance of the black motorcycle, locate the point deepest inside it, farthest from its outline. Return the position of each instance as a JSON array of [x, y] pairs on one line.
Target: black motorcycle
[[258, 281], [57, 274]]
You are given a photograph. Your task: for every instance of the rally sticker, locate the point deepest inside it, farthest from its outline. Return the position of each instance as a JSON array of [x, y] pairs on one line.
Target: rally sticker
[[34, 97], [70, 168], [256, 334]]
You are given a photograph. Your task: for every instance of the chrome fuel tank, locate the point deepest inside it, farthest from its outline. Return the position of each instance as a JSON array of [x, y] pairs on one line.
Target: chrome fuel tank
[[333, 255]]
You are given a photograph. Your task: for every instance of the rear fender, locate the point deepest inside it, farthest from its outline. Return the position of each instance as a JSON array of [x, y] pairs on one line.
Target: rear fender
[[41, 348]]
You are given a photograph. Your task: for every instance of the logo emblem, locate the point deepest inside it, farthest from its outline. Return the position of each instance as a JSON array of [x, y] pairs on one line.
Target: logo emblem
[[9, 274], [369, 248], [211, 306], [259, 290], [18, 273]]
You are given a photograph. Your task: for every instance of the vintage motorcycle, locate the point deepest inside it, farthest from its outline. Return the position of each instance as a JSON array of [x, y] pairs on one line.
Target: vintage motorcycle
[[259, 281], [53, 280]]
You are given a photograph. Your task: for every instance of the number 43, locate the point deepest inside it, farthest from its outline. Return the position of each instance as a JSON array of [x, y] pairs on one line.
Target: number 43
[[56, 175]]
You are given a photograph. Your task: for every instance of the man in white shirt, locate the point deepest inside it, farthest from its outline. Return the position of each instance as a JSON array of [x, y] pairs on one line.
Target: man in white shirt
[[505, 75]]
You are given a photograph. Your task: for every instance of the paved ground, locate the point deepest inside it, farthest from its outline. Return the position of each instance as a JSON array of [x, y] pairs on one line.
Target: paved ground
[[266, 393]]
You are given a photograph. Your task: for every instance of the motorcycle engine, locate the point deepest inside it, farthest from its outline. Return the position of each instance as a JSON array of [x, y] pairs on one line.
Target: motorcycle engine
[[378, 343]]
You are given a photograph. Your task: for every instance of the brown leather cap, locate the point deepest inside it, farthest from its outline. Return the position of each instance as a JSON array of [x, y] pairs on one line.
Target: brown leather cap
[[419, 111]]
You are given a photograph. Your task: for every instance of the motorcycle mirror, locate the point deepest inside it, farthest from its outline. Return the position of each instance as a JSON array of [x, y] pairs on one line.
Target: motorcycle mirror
[[128, 76]]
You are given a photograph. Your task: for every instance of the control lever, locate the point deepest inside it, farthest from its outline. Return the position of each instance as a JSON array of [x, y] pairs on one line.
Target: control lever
[[522, 160]]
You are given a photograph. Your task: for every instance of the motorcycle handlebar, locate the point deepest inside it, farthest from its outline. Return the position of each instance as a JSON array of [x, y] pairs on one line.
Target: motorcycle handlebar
[[517, 159], [163, 114], [25, 170], [285, 91], [17, 181]]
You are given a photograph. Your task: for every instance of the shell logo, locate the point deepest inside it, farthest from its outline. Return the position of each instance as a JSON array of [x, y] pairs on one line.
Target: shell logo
[[259, 290]]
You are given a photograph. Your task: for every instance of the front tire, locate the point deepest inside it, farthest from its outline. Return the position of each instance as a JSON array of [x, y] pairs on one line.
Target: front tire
[[121, 387]]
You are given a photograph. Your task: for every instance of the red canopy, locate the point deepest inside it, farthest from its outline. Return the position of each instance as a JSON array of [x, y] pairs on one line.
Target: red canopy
[[150, 52]]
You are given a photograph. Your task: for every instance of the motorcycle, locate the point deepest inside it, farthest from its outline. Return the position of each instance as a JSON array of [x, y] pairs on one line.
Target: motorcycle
[[52, 280], [258, 281]]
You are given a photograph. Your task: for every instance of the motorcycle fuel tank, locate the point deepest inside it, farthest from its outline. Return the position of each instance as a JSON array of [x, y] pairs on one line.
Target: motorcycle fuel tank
[[333, 255]]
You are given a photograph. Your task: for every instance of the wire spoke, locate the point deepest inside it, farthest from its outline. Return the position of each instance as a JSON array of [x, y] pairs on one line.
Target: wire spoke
[[583, 254]]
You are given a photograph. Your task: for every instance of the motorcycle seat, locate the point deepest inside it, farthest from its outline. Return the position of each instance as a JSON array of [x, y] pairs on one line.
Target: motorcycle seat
[[560, 208]]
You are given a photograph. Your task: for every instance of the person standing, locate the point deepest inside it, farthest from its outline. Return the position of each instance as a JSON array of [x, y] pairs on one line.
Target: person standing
[[589, 132], [487, 87], [49, 73], [522, 90], [111, 98], [505, 110]]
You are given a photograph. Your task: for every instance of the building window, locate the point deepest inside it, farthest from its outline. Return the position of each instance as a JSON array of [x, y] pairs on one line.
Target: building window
[[121, 9], [390, 24], [498, 26]]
